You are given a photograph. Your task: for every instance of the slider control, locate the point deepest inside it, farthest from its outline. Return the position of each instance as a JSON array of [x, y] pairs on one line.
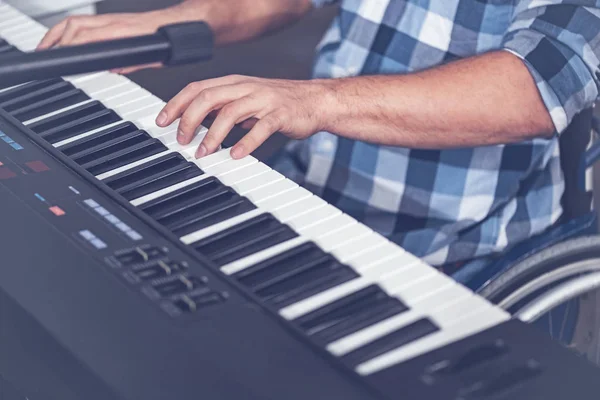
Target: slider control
[[159, 269], [181, 284], [139, 255]]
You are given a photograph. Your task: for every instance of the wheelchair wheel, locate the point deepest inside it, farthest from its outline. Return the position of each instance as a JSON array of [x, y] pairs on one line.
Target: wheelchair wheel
[[558, 290]]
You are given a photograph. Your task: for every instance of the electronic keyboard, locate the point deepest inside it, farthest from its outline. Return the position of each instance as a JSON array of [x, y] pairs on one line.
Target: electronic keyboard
[[131, 270]]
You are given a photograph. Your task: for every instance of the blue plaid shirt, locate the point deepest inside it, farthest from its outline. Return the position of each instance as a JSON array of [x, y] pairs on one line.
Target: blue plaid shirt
[[449, 206]]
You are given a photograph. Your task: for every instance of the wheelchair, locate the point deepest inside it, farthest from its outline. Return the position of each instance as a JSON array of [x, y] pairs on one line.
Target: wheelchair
[[552, 280]]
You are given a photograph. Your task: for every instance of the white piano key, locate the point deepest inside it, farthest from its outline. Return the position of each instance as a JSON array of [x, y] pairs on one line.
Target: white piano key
[[160, 193], [297, 208], [375, 255], [137, 106], [97, 85], [113, 94], [258, 182], [216, 228], [180, 148], [7, 24], [213, 159], [386, 268], [352, 249], [470, 326], [423, 287], [334, 225], [127, 94], [75, 79], [319, 300], [241, 175], [246, 262], [146, 115], [352, 233], [124, 168], [316, 217], [286, 190]]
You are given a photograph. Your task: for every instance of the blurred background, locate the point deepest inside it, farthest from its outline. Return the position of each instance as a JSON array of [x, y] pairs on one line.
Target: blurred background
[[286, 54]]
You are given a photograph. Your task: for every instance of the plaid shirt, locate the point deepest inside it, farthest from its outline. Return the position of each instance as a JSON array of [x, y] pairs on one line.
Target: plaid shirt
[[449, 206]]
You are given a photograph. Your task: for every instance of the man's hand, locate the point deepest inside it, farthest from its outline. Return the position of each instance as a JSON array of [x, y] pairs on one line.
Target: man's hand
[[294, 108], [77, 30]]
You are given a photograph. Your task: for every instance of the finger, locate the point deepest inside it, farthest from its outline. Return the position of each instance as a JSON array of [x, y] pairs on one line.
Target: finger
[[129, 70], [205, 102], [178, 104], [77, 25], [53, 35], [263, 129], [230, 115]]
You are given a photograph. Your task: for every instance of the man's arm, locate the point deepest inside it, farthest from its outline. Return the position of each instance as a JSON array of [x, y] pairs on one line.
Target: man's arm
[[545, 74], [231, 20]]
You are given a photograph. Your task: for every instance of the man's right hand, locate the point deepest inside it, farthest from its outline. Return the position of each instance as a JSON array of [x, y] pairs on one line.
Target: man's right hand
[[78, 30]]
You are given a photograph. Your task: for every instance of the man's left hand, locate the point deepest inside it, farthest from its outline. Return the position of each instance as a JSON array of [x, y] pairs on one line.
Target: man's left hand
[[294, 108]]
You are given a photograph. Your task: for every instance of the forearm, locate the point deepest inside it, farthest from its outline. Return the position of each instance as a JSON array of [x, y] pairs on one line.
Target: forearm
[[239, 20], [485, 100]]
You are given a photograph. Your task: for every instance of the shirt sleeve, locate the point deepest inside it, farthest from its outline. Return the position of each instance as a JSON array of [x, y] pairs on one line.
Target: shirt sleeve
[[559, 41], [322, 3]]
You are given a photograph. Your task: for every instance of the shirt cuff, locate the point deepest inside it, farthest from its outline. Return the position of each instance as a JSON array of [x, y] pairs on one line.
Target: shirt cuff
[[564, 81]]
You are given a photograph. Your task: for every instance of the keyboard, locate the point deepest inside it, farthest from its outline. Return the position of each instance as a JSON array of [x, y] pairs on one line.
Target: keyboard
[[150, 274]]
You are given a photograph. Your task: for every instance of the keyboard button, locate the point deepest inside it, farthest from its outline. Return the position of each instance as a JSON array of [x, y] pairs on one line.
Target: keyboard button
[[99, 138], [244, 239], [50, 105], [31, 87]]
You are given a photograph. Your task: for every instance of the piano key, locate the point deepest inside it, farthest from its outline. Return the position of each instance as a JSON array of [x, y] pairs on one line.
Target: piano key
[[106, 143], [295, 274], [258, 182], [244, 239], [105, 135], [359, 310], [148, 170], [160, 181], [229, 206], [118, 170], [136, 106], [379, 254], [27, 88], [129, 155], [285, 189], [49, 105], [82, 120], [219, 227], [297, 208], [470, 325], [351, 249], [233, 174], [351, 234], [315, 217], [85, 135], [180, 199], [168, 190], [334, 225], [95, 86], [419, 329]]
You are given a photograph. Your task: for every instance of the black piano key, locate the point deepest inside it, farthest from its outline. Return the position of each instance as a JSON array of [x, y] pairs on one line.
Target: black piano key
[[181, 199], [350, 314], [50, 105], [162, 181], [294, 275], [98, 138], [394, 340], [6, 47], [27, 88], [74, 122], [125, 157], [109, 146], [146, 170], [244, 239], [222, 208], [34, 96]]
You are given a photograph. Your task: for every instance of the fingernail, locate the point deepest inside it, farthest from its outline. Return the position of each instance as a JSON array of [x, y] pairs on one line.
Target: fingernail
[[201, 152], [180, 137], [237, 152], [162, 118]]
